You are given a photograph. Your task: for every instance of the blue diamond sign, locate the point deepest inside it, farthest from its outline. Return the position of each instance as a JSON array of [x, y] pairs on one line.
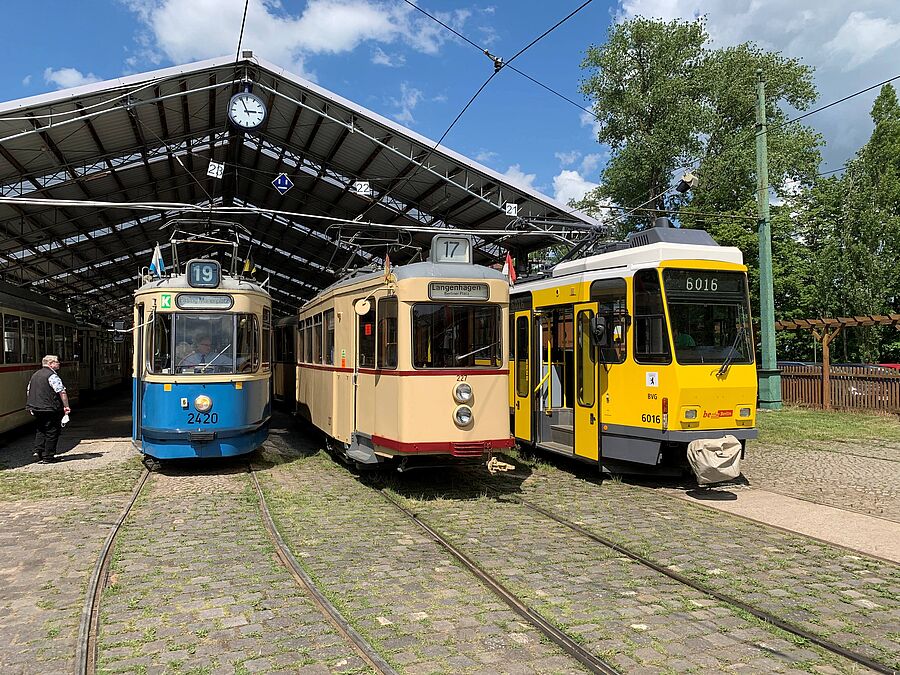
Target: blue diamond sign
[[282, 183]]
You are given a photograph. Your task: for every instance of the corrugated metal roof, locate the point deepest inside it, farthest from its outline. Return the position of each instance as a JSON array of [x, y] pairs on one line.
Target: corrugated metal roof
[[150, 138]]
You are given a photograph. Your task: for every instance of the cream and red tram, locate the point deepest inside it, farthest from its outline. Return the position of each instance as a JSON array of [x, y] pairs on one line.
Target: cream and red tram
[[409, 364], [625, 357], [33, 326]]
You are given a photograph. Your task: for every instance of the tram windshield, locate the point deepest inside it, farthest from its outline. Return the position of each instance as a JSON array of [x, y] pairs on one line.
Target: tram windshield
[[204, 344], [456, 336], [709, 312]]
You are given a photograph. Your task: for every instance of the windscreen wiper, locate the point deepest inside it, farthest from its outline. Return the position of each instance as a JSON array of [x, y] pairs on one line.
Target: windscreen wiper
[[732, 354]]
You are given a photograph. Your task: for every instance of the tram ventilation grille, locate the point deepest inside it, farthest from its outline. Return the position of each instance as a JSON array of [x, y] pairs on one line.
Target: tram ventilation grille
[[469, 449], [202, 436]]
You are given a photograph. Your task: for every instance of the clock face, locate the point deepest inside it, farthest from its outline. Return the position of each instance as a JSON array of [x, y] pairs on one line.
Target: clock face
[[246, 110]]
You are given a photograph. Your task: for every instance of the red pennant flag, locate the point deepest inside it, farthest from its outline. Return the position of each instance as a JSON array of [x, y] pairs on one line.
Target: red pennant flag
[[509, 269]]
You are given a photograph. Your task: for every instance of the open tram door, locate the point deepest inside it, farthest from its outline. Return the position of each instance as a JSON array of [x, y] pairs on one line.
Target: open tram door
[[522, 393], [587, 395]]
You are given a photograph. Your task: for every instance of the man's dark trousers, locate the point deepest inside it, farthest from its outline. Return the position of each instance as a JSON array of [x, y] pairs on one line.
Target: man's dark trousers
[[47, 434]]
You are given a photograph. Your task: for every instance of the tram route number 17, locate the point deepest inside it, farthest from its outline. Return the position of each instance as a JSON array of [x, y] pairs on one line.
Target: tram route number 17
[[203, 418]]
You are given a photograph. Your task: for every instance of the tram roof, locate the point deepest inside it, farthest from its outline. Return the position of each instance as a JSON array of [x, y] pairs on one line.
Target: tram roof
[[149, 138]]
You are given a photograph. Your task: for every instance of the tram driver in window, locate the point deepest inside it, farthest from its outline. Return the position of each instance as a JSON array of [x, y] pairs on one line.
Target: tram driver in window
[[205, 355]]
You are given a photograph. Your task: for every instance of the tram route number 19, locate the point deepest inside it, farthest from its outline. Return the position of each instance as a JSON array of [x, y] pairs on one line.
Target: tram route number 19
[[203, 418]]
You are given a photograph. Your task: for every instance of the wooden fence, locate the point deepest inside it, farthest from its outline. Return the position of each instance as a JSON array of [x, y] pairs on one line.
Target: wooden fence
[[852, 387]]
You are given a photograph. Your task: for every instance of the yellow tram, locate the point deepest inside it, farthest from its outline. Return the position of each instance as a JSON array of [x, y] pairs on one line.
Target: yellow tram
[[624, 357], [408, 364]]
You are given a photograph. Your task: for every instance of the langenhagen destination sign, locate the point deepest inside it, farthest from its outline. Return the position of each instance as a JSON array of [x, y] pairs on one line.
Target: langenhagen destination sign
[[456, 290]]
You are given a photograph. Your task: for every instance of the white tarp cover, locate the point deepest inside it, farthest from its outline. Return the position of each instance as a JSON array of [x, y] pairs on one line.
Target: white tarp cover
[[715, 459]]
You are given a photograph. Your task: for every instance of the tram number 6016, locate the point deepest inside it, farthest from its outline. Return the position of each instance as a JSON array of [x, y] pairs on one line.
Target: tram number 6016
[[203, 418], [651, 419], [701, 284]]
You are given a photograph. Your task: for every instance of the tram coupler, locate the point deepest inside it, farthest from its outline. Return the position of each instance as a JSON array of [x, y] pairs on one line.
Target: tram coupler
[[495, 466]]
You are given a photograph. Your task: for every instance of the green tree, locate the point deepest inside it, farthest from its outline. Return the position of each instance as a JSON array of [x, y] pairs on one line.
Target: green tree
[[665, 100]]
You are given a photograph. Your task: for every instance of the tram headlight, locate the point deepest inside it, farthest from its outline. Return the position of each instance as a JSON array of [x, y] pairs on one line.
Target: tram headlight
[[463, 415], [203, 403], [690, 414], [745, 412], [462, 393]]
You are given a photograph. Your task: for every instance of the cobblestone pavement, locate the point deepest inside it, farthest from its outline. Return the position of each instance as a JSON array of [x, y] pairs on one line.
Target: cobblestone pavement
[[195, 586], [862, 476], [396, 586], [849, 599], [637, 617]]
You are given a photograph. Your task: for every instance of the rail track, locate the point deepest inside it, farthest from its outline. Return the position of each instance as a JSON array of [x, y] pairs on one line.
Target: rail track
[[571, 647], [762, 615], [87, 641]]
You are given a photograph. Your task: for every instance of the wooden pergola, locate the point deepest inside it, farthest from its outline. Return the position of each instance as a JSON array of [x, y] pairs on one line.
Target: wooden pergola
[[826, 330]]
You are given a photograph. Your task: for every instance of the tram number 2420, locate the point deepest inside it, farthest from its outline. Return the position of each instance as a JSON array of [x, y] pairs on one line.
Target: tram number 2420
[[203, 418]]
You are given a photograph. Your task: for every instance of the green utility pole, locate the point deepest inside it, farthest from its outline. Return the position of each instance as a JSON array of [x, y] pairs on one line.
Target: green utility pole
[[769, 375]]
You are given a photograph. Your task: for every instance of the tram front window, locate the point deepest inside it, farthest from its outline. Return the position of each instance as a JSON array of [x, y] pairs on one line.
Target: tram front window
[[709, 312], [456, 336], [203, 344]]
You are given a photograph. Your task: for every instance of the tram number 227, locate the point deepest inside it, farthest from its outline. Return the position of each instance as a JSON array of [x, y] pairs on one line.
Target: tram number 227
[[202, 418]]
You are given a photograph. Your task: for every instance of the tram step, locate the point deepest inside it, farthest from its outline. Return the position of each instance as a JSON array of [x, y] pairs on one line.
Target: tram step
[[561, 448], [562, 433]]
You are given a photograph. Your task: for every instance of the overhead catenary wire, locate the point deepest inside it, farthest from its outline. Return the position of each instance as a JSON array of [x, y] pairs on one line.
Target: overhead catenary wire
[[497, 69]]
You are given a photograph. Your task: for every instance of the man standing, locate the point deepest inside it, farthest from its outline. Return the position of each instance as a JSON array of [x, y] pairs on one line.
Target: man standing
[[48, 402]]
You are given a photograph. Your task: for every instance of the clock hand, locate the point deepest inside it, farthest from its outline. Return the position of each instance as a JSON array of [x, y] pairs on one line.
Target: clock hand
[[246, 109]]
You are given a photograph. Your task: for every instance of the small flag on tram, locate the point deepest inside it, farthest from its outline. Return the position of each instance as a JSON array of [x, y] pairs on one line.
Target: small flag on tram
[[157, 266], [387, 266], [509, 269], [249, 266]]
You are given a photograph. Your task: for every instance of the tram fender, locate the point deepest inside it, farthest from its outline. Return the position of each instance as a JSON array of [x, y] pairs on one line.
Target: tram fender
[[362, 450]]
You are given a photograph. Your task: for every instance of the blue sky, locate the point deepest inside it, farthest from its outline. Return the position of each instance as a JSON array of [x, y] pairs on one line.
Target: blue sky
[[393, 60]]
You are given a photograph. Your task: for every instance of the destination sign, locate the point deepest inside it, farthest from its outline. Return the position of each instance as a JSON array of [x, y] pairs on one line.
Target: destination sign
[[457, 290], [704, 282], [201, 301]]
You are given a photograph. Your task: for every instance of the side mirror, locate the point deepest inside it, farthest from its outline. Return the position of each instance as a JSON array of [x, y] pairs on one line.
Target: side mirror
[[599, 336]]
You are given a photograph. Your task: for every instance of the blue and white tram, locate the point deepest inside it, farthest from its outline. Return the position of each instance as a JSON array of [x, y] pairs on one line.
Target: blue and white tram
[[202, 365]]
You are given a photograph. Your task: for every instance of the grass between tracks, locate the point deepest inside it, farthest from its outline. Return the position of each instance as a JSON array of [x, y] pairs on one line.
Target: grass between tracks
[[799, 424], [42, 485]]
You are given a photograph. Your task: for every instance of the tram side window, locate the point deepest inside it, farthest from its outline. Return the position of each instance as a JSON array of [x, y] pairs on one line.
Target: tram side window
[[301, 342], [651, 340], [387, 333], [41, 349], [11, 339], [69, 343], [29, 355], [307, 331], [366, 339], [522, 349], [160, 351], [610, 294], [329, 337], [58, 341], [247, 347], [267, 339], [317, 338]]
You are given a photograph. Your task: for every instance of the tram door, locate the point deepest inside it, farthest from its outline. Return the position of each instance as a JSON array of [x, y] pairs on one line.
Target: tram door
[[522, 376], [587, 395]]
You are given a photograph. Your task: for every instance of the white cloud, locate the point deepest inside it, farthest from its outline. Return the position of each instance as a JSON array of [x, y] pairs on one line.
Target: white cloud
[[588, 120], [519, 177], [65, 78], [861, 38], [567, 158], [568, 185], [187, 30], [409, 98], [26, 80], [382, 58], [485, 156], [590, 162]]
